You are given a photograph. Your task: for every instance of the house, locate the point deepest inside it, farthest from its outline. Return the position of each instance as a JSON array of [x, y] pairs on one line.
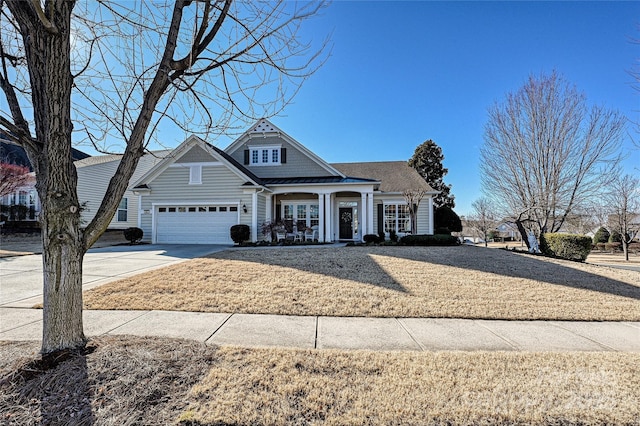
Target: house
[[196, 192], [25, 196]]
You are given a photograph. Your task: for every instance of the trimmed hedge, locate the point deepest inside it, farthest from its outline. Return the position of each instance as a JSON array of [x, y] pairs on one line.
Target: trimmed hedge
[[133, 234], [240, 233], [429, 240], [371, 239], [568, 246]]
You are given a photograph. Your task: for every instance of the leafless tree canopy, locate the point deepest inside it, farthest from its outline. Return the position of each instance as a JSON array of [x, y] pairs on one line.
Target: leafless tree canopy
[[546, 153], [483, 218], [623, 202], [230, 62]]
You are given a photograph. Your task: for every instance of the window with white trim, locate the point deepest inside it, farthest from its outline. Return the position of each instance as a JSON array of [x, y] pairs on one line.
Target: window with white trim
[[195, 175], [396, 218], [121, 215], [303, 214], [265, 156]]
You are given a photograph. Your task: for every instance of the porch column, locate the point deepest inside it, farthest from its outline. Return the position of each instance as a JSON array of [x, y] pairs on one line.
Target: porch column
[[364, 209], [328, 217], [370, 213], [321, 217], [269, 208], [254, 217]]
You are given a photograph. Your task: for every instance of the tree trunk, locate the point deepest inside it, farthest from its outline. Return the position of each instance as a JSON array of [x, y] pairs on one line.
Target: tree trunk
[[523, 233], [46, 38], [62, 257]]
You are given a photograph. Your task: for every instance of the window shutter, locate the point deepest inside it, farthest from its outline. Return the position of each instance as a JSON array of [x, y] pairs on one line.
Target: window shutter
[[283, 155], [380, 218], [246, 156], [278, 212]]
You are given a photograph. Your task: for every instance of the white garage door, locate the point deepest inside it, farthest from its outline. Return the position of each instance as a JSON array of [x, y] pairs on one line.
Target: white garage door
[[195, 224]]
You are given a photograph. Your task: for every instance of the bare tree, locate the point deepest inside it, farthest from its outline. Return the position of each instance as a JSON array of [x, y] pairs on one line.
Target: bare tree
[[623, 200], [111, 71], [546, 153], [483, 218], [413, 198]]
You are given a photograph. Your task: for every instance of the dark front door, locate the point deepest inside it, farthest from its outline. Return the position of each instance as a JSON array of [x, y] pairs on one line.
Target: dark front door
[[346, 223]]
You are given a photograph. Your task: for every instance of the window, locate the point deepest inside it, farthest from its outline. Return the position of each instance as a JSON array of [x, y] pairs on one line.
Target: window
[[213, 209], [162, 209], [233, 208], [192, 209], [303, 214], [195, 175], [396, 218], [122, 210], [222, 209], [265, 156]]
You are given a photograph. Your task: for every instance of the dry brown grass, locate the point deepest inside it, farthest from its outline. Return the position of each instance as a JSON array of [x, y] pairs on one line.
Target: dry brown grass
[[122, 381], [274, 387], [132, 380], [453, 282]]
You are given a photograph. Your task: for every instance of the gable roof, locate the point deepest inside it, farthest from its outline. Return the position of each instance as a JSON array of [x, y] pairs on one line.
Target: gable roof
[[13, 153], [264, 128], [394, 176], [183, 148]]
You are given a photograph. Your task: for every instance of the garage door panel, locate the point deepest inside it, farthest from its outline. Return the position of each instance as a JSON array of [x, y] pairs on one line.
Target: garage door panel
[[199, 227]]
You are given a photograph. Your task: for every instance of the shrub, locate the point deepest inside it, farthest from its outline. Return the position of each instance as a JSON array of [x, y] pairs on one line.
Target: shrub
[[602, 236], [393, 236], [429, 240], [133, 235], [371, 238], [615, 237], [613, 246], [443, 231], [445, 217], [381, 236], [568, 246], [240, 233]]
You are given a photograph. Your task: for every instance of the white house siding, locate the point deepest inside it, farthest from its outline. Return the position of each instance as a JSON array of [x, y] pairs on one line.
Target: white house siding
[[298, 164], [219, 186], [92, 185]]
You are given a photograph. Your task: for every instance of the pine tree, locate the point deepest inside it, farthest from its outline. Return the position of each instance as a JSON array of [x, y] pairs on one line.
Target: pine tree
[[427, 160]]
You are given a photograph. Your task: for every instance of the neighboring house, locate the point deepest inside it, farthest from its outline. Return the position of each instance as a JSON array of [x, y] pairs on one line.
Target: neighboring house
[[196, 192], [26, 196]]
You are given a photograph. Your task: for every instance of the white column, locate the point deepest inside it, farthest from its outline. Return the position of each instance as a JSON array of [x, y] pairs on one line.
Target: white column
[[269, 207], [364, 208], [139, 225], [370, 213], [328, 217], [321, 220], [254, 217]]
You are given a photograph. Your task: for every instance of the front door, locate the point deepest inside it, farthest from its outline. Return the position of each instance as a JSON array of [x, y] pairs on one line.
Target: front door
[[346, 223]]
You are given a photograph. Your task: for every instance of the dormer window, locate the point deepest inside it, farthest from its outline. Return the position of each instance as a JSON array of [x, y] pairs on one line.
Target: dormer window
[[265, 156]]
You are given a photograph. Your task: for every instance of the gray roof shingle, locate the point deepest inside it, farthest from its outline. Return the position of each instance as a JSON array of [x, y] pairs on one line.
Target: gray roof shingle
[[395, 176]]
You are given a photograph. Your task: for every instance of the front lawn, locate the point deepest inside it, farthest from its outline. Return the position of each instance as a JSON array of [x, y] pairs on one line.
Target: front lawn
[[449, 282]]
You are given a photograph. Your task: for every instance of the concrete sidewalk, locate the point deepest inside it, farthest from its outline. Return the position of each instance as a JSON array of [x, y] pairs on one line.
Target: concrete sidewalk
[[311, 332]]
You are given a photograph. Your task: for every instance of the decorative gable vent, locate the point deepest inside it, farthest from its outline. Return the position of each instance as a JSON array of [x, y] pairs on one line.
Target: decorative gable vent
[[263, 127]]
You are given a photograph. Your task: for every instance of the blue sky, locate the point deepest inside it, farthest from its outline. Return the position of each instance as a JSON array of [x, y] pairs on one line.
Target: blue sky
[[404, 72]]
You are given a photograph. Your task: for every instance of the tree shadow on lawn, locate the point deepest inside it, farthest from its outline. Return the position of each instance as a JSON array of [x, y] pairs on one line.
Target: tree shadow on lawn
[[331, 262], [357, 264], [508, 264]]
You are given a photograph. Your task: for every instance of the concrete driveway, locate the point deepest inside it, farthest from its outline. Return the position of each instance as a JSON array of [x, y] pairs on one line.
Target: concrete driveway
[[21, 276]]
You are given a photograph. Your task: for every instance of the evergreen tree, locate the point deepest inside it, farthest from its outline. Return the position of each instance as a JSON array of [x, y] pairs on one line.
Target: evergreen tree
[[427, 160]]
